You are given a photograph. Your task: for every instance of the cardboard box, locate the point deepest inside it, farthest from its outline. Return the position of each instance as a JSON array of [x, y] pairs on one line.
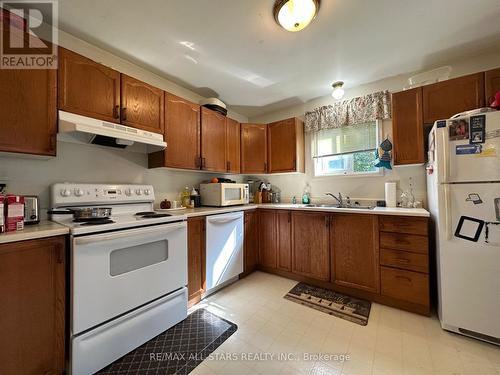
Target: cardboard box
[[14, 212]]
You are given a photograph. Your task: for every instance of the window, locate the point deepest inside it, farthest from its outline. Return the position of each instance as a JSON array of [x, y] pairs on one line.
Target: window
[[348, 150]]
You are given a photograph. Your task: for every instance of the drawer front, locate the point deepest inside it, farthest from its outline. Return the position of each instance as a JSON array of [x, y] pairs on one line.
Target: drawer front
[[409, 225], [405, 285], [407, 242], [404, 260]]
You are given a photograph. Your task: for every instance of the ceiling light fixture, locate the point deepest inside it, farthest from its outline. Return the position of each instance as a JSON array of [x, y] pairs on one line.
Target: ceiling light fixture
[[295, 15], [338, 91]]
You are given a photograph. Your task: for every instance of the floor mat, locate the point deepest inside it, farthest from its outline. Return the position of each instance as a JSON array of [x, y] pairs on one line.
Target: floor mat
[[330, 302], [178, 350]]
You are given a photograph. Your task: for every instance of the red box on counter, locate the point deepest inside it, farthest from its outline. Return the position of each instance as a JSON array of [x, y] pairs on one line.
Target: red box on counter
[[14, 212], [2, 210]]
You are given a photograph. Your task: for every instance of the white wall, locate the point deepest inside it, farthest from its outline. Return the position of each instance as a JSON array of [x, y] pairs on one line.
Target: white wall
[[365, 187]]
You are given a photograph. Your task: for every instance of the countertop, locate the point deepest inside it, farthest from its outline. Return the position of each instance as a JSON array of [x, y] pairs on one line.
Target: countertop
[[204, 211], [31, 232]]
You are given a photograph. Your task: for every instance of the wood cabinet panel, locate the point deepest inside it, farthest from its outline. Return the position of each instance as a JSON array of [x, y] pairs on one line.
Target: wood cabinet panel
[[213, 141], [442, 100], [28, 111], [182, 134], [406, 242], [253, 148], [404, 260], [251, 241], [310, 244], [491, 85], [401, 224], [88, 88], [408, 127], [196, 258], [233, 149], [284, 240], [285, 141], [32, 286], [355, 252], [142, 105], [268, 256], [405, 285]]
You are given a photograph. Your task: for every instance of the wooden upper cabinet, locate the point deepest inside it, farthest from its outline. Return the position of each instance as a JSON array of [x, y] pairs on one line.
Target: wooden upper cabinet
[[253, 148], [355, 251], [213, 141], [284, 239], [408, 127], [88, 88], [251, 241], [285, 144], [268, 256], [444, 99], [196, 258], [491, 85], [32, 286], [28, 111], [182, 134], [232, 146], [142, 105], [310, 245]]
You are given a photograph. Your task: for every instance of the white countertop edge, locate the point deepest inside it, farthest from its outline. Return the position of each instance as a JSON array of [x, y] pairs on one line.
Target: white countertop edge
[[32, 232], [396, 211]]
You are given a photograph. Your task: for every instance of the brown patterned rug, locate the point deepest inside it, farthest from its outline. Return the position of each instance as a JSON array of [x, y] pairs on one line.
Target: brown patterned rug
[[178, 350], [330, 302]]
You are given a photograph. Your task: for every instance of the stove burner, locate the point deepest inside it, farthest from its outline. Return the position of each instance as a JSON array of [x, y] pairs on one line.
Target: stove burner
[[154, 215], [144, 213], [90, 219], [97, 222]]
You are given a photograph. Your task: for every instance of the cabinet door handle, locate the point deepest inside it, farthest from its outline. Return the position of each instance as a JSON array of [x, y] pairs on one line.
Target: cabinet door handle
[[203, 162], [228, 166], [116, 112], [289, 217], [327, 222], [403, 260], [60, 255], [403, 278], [124, 114], [265, 167]]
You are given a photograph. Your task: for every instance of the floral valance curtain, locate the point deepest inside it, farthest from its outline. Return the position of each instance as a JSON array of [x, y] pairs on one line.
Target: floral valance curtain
[[371, 107]]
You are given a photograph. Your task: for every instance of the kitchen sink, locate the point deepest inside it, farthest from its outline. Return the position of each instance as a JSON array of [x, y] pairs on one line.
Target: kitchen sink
[[355, 207]]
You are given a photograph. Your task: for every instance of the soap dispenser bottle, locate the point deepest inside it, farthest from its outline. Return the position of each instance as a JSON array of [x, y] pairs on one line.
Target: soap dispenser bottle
[[306, 196]]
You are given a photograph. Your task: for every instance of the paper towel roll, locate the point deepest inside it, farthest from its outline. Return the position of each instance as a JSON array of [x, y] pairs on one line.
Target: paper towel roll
[[390, 194]]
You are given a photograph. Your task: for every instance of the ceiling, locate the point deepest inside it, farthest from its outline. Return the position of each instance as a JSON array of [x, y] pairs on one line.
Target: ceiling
[[235, 50]]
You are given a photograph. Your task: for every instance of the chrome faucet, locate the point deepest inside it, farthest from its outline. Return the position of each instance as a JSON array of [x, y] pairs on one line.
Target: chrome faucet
[[338, 199]]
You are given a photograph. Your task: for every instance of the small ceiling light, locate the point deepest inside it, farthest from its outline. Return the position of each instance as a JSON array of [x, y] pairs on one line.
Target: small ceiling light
[[295, 15], [338, 91]]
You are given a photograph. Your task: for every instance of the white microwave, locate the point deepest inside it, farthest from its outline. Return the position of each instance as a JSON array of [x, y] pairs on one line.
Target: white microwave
[[224, 194]]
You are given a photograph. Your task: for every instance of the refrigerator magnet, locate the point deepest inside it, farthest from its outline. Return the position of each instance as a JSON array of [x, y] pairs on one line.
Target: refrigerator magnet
[[468, 149], [458, 130], [477, 129], [474, 198], [469, 228]]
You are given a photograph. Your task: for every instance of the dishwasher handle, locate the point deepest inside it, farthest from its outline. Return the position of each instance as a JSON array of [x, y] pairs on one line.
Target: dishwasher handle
[[223, 220]]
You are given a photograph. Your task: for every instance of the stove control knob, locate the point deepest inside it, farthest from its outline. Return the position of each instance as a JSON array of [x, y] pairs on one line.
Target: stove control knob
[[146, 191], [128, 192], [65, 192], [79, 192], [138, 191]]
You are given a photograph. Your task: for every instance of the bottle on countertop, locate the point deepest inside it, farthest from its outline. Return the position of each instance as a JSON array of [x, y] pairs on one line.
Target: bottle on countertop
[[306, 196], [186, 197], [195, 198]]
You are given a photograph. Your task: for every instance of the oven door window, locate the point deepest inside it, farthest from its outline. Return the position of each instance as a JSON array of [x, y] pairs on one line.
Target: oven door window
[[232, 194], [132, 258]]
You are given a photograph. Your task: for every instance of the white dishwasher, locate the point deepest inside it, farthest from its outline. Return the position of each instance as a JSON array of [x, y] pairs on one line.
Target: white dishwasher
[[224, 249]]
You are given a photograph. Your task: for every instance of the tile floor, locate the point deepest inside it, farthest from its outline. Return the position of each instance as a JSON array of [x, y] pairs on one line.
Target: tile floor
[[393, 342]]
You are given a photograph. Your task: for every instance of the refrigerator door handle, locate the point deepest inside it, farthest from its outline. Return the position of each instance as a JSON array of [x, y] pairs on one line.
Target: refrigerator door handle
[[447, 211], [446, 155]]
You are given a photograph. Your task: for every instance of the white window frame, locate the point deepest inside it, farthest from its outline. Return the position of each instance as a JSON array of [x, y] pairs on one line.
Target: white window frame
[[377, 173]]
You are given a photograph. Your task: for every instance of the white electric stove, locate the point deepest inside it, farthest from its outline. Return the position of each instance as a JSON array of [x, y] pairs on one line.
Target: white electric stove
[[128, 272]]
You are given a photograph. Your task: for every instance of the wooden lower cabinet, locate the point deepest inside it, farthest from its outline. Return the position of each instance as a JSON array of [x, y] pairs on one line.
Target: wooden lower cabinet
[[32, 311], [284, 239], [251, 241], [310, 244], [355, 255], [196, 259], [268, 255]]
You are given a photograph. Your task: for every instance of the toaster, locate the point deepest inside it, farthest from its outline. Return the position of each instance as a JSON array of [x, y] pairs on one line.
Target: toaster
[[31, 210]]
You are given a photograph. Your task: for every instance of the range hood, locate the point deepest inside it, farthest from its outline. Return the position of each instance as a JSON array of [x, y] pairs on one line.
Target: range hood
[[81, 129]]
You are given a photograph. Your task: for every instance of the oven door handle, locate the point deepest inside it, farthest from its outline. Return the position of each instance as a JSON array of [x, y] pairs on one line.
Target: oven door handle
[[223, 220], [144, 231]]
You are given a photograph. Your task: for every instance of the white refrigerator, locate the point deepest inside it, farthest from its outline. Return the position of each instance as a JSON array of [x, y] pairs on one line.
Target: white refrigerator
[[463, 188]]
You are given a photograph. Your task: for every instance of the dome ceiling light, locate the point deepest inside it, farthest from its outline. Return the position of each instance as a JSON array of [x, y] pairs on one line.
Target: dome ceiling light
[[295, 15], [338, 91]]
